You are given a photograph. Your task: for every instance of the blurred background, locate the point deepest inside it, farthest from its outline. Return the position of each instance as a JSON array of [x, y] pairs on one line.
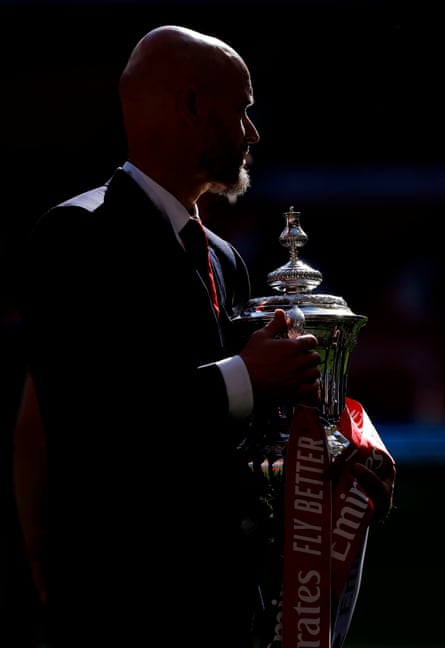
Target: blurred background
[[350, 109]]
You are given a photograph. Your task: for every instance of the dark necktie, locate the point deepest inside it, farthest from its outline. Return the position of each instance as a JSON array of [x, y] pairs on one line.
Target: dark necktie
[[196, 244]]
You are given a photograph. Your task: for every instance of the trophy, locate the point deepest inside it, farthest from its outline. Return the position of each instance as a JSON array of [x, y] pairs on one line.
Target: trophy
[[335, 326], [304, 513]]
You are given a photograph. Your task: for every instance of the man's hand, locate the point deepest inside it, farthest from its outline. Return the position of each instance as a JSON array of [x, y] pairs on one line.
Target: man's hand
[[379, 488], [280, 367]]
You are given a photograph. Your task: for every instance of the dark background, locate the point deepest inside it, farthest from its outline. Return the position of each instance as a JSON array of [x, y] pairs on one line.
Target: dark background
[[350, 109]]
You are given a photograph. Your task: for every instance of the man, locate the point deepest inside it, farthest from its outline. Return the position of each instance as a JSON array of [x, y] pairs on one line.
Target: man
[[143, 388]]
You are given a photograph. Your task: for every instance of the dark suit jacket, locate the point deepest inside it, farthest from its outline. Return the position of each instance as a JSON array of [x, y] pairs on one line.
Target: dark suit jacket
[[146, 488]]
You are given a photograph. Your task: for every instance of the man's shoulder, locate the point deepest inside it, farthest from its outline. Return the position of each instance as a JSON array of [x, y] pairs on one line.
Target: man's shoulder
[[89, 200]]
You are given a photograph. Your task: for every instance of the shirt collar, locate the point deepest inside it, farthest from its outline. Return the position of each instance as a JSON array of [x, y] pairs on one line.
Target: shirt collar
[[170, 206]]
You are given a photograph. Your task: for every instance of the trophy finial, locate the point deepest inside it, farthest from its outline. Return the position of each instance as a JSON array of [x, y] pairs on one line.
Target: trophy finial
[[295, 276], [293, 236]]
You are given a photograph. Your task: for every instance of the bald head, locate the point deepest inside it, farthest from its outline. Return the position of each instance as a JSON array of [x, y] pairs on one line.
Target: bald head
[[169, 57], [170, 52], [172, 88]]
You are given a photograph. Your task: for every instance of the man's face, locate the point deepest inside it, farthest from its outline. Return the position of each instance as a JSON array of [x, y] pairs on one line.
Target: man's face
[[229, 134]]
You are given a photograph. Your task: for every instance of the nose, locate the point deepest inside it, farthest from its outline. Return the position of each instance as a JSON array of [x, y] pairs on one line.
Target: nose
[[252, 134]]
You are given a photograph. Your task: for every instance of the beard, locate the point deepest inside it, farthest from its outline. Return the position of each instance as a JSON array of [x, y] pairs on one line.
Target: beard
[[227, 173], [232, 190]]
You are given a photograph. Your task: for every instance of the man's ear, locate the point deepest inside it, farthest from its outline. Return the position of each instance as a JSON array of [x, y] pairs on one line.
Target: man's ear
[[191, 101], [189, 104]]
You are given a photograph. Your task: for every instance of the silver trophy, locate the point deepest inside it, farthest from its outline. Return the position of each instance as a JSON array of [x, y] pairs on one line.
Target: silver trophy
[[330, 319]]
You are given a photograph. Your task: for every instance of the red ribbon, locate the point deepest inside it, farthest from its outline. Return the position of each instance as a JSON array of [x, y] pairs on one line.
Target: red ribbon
[[327, 517], [307, 535]]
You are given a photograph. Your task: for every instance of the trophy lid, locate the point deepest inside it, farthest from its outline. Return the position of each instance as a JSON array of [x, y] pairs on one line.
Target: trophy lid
[[295, 282], [295, 276]]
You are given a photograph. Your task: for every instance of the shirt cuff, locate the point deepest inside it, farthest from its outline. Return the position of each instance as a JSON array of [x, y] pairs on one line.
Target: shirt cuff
[[238, 385]]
